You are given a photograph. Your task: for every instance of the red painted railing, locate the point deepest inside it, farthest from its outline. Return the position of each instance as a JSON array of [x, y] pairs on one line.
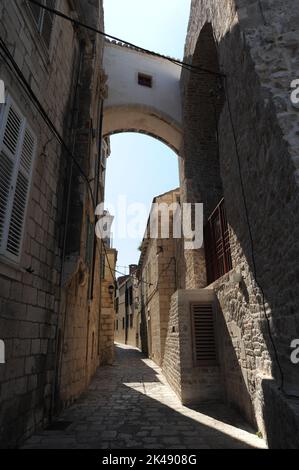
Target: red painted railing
[[217, 247]]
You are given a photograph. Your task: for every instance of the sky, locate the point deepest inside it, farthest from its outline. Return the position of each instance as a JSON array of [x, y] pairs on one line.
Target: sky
[[141, 167]]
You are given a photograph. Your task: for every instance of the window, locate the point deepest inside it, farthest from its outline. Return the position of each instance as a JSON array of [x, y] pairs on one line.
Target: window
[[17, 149], [44, 19], [217, 246], [89, 241], [204, 344], [131, 295], [131, 320], [102, 267], [123, 323], [117, 305], [145, 80]]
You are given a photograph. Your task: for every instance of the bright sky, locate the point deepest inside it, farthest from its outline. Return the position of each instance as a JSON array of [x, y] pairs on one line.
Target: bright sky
[[140, 167]]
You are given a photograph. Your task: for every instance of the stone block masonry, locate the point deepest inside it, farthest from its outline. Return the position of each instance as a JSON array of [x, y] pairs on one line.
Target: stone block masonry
[[258, 51], [31, 318], [193, 383]]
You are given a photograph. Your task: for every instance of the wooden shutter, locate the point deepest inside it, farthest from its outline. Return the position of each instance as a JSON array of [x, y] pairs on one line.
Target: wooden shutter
[[17, 148], [204, 344]]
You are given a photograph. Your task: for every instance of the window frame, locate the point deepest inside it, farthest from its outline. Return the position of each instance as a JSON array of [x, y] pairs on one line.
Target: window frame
[[145, 80], [41, 19]]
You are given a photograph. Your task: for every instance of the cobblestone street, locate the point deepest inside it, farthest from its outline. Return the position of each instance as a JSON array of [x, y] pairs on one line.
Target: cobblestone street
[[130, 405]]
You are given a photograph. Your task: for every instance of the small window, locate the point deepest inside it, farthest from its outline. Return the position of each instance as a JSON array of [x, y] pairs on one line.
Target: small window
[[17, 149], [89, 241], [102, 267], [131, 320], [131, 295], [145, 80], [123, 323], [44, 19]]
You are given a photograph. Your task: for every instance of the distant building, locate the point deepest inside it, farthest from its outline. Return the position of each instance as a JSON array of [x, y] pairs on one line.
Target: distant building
[[157, 280], [127, 317]]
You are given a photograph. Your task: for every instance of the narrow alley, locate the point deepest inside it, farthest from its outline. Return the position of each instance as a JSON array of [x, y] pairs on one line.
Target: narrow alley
[[129, 406]]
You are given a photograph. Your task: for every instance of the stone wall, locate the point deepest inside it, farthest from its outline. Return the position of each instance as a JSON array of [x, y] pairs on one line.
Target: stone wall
[[107, 313], [78, 341], [158, 273], [31, 314], [30, 301], [171, 364], [193, 383], [258, 183], [127, 327]]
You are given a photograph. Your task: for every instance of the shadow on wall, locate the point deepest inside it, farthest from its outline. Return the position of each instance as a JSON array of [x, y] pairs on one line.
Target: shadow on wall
[[233, 367], [268, 186]]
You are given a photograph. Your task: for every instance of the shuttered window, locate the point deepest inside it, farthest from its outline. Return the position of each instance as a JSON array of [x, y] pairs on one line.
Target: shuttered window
[[204, 344], [44, 19], [17, 148]]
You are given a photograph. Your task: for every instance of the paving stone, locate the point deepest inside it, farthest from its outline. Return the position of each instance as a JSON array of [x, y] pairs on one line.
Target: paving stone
[[133, 418]]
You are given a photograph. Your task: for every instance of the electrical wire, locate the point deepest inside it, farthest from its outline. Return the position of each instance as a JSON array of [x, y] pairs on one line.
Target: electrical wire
[[77, 23]]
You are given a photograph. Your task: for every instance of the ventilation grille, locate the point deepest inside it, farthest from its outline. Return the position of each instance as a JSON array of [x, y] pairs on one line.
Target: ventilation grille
[[204, 344]]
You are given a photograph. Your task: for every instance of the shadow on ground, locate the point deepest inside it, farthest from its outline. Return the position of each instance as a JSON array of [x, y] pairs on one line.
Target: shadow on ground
[[130, 406]]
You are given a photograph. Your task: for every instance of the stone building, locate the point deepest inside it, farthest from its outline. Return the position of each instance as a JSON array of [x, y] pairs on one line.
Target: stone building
[[235, 130], [127, 316], [240, 158], [157, 275], [54, 331], [233, 303]]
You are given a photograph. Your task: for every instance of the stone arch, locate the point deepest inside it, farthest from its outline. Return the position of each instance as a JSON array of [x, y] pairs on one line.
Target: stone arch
[[151, 106], [145, 120]]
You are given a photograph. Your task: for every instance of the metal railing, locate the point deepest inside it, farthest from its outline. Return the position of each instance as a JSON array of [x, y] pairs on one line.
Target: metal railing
[[217, 246]]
